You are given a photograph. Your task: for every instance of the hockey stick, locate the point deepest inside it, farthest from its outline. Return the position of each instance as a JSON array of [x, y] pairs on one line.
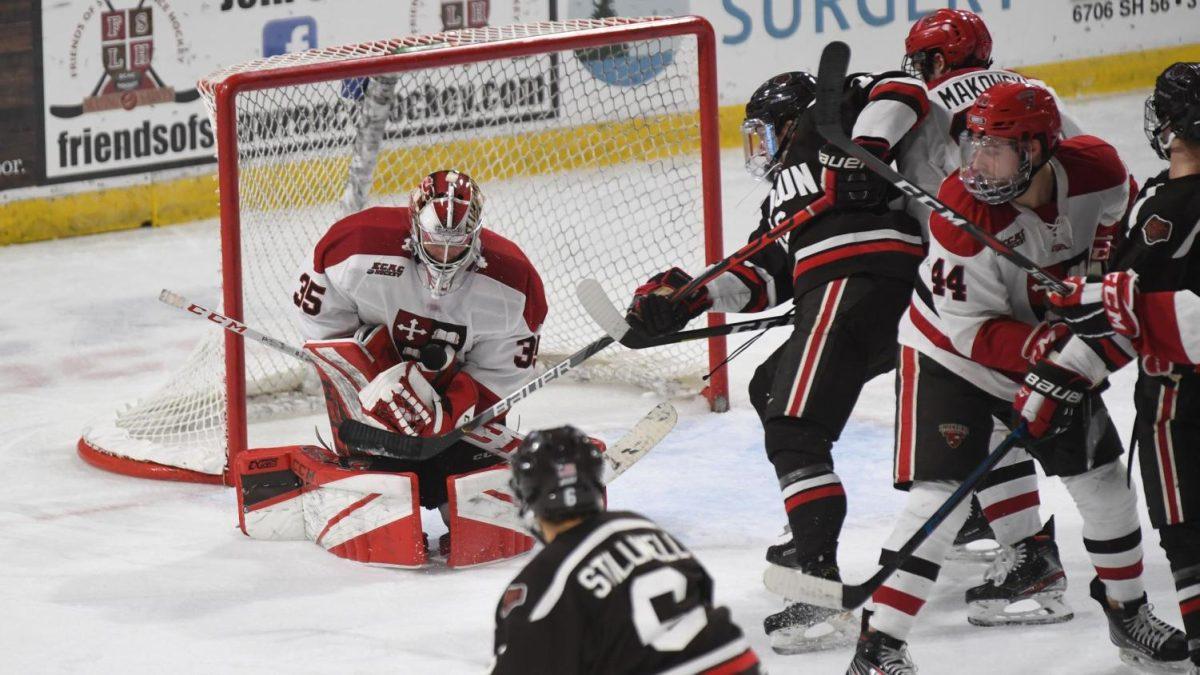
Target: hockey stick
[[797, 586], [753, 246], [487, 436], [606, 315], [835, 60]]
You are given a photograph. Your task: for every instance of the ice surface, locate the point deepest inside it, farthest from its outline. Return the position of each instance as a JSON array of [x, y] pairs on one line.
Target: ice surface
[[102, 573]]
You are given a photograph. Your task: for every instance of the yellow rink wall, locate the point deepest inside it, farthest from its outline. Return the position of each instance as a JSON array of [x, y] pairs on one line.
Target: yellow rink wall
[[195, 198]]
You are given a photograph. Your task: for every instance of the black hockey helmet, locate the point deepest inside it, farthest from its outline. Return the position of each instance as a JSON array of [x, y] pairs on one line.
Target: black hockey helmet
[[557, 475], [1174, 107], [771, 114]]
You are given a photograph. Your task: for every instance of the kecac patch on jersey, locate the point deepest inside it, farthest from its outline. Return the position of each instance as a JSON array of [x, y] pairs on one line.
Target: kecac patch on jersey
[[1157, 230], [514, 596]]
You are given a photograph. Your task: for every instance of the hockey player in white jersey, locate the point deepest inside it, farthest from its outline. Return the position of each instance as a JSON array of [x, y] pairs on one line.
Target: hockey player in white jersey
[[974, 326], [387, 286]]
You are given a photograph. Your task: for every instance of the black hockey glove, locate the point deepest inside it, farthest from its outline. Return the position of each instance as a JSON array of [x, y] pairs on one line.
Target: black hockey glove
[[652, 311], [1049, 399], [848, 182]]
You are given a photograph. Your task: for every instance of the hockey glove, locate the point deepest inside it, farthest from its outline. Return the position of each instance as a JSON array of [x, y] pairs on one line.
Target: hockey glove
[[1045, 338], [654, 313], [848, 182], [1049, 398], [402, 398], [1098, 308]]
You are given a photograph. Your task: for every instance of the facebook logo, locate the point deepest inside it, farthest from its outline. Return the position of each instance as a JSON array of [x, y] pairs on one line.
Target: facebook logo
[[284, 36]]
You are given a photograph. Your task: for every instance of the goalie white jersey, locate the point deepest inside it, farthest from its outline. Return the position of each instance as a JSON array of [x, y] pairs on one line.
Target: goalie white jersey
[[364, 273], [973, 311]]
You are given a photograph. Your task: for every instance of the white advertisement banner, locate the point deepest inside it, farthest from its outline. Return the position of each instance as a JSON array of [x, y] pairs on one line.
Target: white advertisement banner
[[119, 75]]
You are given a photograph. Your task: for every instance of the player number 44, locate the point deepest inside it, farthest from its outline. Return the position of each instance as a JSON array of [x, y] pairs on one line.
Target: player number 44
[[952, 281]]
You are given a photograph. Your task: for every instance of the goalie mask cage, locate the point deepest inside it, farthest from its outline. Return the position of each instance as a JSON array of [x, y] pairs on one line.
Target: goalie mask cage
[[595, 143]]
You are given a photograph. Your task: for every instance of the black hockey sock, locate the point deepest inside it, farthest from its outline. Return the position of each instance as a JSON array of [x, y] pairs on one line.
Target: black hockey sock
[[1182, 546], [816, 506]]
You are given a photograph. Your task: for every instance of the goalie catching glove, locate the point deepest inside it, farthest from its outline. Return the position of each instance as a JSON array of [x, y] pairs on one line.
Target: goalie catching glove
[[405, 398], [1049, 399], [654, 313]]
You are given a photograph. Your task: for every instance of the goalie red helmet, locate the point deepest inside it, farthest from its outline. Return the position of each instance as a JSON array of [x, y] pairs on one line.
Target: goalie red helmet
[[959, 36], [998, 157], [557, 475], [446, 209]]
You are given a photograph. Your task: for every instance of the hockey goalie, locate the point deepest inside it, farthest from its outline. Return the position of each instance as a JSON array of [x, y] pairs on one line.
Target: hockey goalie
[[430, 318]]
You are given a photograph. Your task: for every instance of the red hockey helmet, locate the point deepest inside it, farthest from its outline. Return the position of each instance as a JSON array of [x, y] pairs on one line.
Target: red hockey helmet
[[997, 145], [446, 209], [959, 36]]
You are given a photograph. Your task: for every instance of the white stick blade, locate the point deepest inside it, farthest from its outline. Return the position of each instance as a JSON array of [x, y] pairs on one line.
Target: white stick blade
[[644, 435], [596, 303], [173, 299], [799, 587]]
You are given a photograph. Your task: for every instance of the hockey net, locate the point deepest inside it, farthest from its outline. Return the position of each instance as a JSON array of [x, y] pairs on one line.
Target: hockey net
[[594, 142]]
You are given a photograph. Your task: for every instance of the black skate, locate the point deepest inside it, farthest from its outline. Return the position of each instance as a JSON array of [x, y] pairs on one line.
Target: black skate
[[975, 541], [802, 627], [1024, 585], [1145, 641], [881, 654]]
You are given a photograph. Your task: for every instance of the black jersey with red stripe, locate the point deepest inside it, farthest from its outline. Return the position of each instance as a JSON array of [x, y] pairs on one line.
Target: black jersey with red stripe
[[836, 244]]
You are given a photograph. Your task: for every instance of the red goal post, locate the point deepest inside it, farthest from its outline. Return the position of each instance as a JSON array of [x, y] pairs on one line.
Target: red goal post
[[626, 112]]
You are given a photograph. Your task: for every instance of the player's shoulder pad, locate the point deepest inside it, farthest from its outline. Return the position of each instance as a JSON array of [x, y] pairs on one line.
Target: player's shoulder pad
[[505, 262], [379, 230], [1092, 165], [955, 239], [897, 85]]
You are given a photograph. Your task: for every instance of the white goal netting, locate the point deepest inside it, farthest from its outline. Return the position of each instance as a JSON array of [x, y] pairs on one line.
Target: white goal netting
[[589, 158]]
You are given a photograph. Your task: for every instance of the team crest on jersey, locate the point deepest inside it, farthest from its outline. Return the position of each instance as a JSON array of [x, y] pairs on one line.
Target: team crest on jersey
[[1156, 230], [411, 331], [1015, 240], [386, 269], [954, 434], [514, 596]]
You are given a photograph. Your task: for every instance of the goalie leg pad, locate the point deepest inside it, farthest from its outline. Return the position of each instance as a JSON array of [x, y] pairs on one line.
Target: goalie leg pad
[[485, 524], [301, 492]]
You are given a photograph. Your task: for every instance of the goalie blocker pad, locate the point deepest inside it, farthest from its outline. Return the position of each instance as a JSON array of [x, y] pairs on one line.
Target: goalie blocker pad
[[354, 360]]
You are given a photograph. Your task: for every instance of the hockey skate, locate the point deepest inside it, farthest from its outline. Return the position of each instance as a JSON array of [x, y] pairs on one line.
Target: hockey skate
[[975, 541], [1024, 585], [1145, 641], [881, 654], [802, 627]]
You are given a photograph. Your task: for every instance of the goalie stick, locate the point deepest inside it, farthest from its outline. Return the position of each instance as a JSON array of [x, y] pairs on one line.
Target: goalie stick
[[490, 434], [831, 74], [797, 586], [622, 454], [606, 315]]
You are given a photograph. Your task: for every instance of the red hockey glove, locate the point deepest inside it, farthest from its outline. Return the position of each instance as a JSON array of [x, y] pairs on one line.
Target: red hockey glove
[[848, 182], [402, 398], [1045, 338], [1049, 399], [1099, 307], [653, 313]]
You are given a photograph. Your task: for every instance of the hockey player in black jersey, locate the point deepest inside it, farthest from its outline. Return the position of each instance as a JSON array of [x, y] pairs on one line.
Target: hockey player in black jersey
[[849, 274], [610, 592], [1158, 256]]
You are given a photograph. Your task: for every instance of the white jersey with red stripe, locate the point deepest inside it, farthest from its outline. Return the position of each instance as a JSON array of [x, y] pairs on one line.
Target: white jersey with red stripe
[[364, 273], [926, 135], [972, 310]]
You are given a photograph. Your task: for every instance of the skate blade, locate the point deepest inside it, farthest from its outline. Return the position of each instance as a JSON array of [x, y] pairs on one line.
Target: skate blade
[[981, 551], [1036, 610], [1145, 664], [839, 630]]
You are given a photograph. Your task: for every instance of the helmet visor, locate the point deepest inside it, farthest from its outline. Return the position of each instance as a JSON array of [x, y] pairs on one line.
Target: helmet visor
[[994, 169], [759, 146], [1158, 132]]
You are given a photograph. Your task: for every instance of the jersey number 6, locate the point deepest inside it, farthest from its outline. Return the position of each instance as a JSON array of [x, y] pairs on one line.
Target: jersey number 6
[[674, 633]]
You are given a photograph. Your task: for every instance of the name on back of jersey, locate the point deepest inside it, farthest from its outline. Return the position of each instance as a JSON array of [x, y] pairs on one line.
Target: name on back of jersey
[[792, 181], [618, 559]]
